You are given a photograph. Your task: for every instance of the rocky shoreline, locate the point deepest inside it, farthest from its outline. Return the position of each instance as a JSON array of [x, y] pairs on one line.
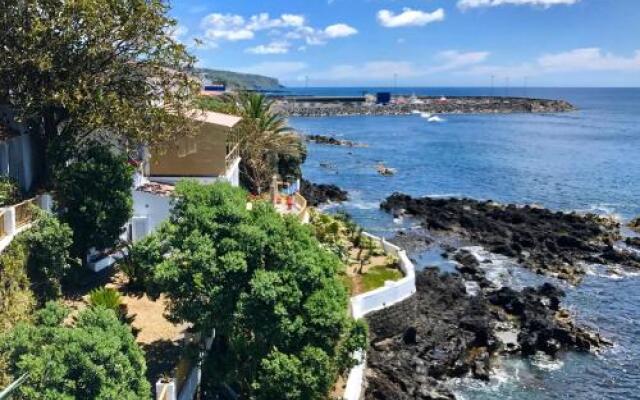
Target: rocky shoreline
[[443, 332], [431, 105], [550, 243]]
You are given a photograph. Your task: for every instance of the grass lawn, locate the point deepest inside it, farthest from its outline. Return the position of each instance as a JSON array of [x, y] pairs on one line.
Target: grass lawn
[[376, 276]]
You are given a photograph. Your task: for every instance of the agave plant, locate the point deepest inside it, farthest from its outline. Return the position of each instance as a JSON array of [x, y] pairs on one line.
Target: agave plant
[[110, 299], [106, 297]]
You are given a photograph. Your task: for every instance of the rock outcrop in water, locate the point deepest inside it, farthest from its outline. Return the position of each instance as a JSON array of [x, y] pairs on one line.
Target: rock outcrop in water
[[330, 140], [635, 224], [547, 242], [318, 194], [430, 105], [448, 333]]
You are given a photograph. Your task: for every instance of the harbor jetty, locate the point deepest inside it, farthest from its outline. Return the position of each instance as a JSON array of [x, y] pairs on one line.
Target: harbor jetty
[[319, 106]]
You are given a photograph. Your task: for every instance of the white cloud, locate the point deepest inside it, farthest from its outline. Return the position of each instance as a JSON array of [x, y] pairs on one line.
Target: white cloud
[[373, 71], [220, 27], [589, 59], [572, 61], [409, 17], [453, 59], [288, 27], [384, 70], [339, 31], [271, 48], [465, 4], [178, 32], [282, 70], [264, 21]]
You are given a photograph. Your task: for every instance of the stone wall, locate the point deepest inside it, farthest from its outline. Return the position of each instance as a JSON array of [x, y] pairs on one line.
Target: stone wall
[[392, 320]]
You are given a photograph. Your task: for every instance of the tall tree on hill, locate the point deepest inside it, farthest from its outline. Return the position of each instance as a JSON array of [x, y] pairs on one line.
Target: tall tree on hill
[[81, 68]]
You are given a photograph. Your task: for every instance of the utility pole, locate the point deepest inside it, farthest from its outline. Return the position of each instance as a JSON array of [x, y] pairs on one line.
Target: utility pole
[[493, 78]]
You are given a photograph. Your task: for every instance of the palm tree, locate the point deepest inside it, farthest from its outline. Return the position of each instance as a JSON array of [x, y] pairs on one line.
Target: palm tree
[[263, 135]]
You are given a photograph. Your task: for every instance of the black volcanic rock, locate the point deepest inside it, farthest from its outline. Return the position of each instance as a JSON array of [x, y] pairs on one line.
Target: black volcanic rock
[[447, 333], [320, 194], [547, 242]]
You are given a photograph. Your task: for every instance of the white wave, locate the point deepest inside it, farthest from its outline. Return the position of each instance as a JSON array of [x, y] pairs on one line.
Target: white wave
[[613, 272], [435, 118], [544, 362]]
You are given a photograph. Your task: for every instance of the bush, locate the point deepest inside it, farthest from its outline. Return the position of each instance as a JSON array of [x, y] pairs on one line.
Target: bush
[[110, 299], [17, 301], [9, 191], [94, 197], [96, 358], [142, 258], [49, 262]]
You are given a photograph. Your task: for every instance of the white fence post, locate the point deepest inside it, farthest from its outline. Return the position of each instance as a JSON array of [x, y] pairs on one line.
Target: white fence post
[[166, 390], [10, 221]]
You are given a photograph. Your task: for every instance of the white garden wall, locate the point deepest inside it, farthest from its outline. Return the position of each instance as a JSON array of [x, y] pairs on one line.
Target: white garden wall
[[363, 304]]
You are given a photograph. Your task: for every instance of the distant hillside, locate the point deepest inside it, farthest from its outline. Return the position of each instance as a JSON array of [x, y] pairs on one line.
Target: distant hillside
[[235, 80]]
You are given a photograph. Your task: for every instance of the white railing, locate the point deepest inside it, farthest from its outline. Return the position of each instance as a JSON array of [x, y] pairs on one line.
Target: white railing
[[184, 386], [18, 217], [391, 293]]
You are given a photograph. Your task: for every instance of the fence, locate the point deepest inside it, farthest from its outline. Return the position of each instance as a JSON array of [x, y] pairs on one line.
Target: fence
[[188, 375], [363, 304], [24, 212], [16, 218]]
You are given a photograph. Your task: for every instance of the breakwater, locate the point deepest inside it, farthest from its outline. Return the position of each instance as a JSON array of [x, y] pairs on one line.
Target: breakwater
[[323, 107]]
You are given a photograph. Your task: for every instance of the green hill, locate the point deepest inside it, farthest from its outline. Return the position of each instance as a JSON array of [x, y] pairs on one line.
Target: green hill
[[236, 80]]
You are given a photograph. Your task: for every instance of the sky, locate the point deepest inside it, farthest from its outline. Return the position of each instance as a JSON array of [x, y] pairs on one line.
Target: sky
[[566, 43]]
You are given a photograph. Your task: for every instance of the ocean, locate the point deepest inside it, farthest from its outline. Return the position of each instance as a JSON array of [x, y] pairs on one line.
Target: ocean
[[587, 161]]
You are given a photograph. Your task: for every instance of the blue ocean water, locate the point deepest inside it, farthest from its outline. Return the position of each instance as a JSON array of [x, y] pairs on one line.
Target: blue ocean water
[[587, 160]]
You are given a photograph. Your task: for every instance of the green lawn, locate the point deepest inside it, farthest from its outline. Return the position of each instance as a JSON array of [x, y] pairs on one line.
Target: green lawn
[[376, 276]]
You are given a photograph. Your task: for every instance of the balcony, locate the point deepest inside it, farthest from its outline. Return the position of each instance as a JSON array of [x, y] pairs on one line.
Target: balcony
[[209, 154]]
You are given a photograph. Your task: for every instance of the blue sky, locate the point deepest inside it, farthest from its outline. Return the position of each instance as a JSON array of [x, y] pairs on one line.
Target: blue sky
[[423, 42]]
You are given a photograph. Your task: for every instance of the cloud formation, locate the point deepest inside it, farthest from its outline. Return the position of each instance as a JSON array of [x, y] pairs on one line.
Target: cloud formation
[[286, 28], [409, 17], [466, 4], [284, 69], [577, 60], [271, 48]]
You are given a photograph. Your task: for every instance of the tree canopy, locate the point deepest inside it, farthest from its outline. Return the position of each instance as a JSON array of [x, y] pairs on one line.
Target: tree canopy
[[95, 358], [89, 67], [265, 284], [94, 197]]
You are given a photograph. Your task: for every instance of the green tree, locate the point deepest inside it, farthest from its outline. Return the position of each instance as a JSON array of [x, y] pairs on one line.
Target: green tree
[[96, 358], [264, 283], [94, 197], [265, 139], [85, 67], [48, 261]]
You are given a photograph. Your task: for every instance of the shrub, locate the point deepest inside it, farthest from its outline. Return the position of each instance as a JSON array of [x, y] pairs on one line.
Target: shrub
[[96, 358], [110, 299], [355, 340], [17, 301], [48, 262], [94, 197], [142, 258], [9, 191]]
